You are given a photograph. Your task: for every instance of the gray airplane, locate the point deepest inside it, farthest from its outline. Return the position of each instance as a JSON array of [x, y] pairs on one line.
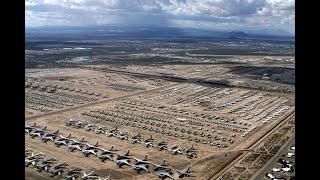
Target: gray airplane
[[29, 128], [185, 173], [89, 175], [74, 147], [165, 175], [38, 132], [122, 162], [142, 161], [87, 152], [93, 147], [61, 142], [161, 166], [62, 138], [57, 172], [50, 136], [125, 156], [71, 177], [107, 154], [140, 167], [80, 142], [43, 166]]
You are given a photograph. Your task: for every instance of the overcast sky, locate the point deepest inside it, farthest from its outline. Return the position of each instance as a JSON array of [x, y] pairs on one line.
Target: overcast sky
[[202, 14]]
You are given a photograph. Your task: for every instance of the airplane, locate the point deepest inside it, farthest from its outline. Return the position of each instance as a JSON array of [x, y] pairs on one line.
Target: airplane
[[109, 151], [138, 136], [112, 132], [50, 136], [65, 137], [141, 167], [124, 136], [61, 142], [185, 173], [57, 172], [161, 166], [165, 175], [49, 161], [149, 139], [142, 161], [47, 138], [176, 151], [103, 157], [74, 147], [80, 142], [29, 128], [149, 144], [73, 171], [93, 147], [122, 162], [54, 134], [89, 175], [87, 152], [191, 149], [71, 177], [125, 156], [41, 129], [30, 161], [35, 156], [43, 166], [60, 165]]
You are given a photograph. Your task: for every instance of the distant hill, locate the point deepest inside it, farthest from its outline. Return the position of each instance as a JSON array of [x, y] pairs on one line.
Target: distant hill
[[131, 31]]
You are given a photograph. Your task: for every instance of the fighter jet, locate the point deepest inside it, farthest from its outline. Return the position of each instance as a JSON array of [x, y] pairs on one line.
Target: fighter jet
[[185, 173], [165, 175], [161, 166], [142, 161], [89, 175], [141, 167], [112, 132], [122, 162], [107, 154]]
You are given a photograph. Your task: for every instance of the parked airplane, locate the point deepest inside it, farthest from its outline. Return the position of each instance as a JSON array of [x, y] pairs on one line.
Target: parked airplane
[[185, 173]]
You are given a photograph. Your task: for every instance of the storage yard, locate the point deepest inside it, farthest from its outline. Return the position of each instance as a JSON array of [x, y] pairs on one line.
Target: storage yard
[[159, 109]]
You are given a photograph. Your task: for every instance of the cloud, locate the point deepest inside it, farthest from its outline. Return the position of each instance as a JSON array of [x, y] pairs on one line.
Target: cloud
[[205, 13]]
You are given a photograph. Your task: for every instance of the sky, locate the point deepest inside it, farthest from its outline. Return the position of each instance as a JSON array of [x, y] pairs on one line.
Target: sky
[[273, 15]]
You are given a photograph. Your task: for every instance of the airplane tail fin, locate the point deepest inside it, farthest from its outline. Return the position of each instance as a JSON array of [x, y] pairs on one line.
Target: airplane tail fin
[[34, 125], [97, 143], [69, 135], [82, 140], [164, 161], [145, 157], [57, 131], [111, 148], [127, 154], [44, 128]]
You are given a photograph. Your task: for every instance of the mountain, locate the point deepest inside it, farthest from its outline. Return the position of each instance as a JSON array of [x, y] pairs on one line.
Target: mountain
[[145, 31]]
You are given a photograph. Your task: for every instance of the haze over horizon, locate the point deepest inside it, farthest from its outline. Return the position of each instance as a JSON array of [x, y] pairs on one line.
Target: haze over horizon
[[267, 16]]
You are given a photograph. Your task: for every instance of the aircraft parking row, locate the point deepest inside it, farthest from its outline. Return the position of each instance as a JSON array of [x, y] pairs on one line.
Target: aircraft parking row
[[148, 142], [162, 170], [163, 128]]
